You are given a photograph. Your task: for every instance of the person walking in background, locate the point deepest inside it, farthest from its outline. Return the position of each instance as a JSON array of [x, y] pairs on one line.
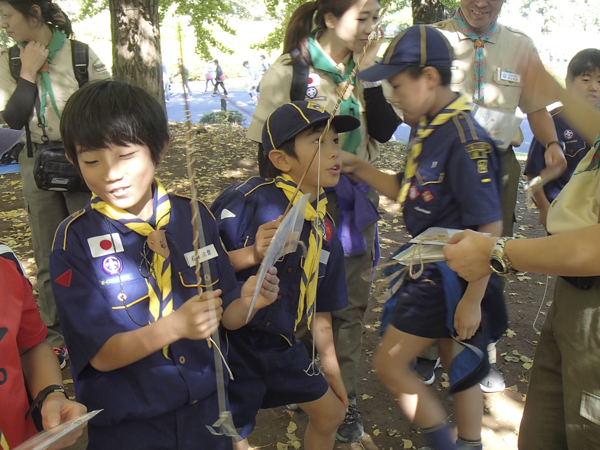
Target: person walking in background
[[185, 75], [220, 79], [43, 32], [252, 78], [209, 76], [166, 81]]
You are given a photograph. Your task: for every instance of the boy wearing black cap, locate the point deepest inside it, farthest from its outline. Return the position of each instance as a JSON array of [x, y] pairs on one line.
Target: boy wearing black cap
[[270, 367], [452, 179]]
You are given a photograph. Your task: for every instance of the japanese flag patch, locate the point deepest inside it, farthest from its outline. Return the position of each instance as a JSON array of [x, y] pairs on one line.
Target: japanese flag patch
[[103, 245]]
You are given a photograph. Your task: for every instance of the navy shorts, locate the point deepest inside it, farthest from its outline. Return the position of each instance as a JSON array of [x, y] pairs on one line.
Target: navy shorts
[[182, 429], [268, 371], [421, 309]]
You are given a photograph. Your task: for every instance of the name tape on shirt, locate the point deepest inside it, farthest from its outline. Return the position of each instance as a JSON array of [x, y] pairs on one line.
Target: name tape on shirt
[[507, 76], [103, 245], [324, 256], [204, 254]]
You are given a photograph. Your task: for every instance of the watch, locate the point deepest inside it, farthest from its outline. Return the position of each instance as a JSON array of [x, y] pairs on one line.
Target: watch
[[499, 262], [561, 143], [39, 400]]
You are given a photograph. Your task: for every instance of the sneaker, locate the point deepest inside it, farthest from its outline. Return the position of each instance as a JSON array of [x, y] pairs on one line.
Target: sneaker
[[493, 381], [351, 429], [62, 354], [214, 95], [425, 369], [292, 407]]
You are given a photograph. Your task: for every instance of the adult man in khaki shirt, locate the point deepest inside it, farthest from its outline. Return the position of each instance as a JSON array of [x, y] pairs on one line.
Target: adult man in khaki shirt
[[500, 88]]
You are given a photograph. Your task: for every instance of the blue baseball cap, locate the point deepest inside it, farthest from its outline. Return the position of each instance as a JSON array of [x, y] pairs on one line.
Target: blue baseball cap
[[418, 46], [291, 119]]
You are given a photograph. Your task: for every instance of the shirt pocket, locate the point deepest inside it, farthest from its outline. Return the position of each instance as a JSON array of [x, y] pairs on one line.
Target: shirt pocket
[[509, 91], [426, 192], [208, 279], [130, 301]]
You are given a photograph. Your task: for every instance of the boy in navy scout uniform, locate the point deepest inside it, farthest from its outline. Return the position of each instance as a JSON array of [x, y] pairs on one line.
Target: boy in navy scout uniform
[[272, 368], [123, 273], [583, 80], [452, 179]]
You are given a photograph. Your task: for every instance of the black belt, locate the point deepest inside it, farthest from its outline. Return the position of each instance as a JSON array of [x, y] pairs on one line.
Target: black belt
[[583, 283]]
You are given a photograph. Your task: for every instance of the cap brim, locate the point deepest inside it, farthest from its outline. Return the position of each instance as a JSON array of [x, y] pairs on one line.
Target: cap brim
[[342, 124], [380, 72]]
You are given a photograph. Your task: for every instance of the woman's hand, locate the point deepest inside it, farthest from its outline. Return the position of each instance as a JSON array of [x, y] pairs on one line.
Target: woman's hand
[[33, 57]]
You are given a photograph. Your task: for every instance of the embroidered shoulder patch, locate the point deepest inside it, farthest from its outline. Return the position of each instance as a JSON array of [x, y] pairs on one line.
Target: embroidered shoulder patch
[[64, 279], [478, 150]]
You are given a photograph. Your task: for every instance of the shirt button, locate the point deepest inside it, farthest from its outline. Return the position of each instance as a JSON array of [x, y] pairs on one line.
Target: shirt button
[[279, 297], [182, 360], [50, 130], [289, 270], [194, 402], [268, 323]]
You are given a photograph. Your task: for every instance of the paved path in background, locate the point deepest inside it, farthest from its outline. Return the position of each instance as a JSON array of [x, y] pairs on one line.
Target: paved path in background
[[238, 99]]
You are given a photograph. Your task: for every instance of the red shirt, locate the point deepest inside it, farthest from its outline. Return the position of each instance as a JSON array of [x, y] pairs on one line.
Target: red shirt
[[21, 327]]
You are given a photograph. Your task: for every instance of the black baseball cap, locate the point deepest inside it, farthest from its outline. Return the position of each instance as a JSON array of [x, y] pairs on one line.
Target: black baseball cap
[[418, 46], [291, 119]]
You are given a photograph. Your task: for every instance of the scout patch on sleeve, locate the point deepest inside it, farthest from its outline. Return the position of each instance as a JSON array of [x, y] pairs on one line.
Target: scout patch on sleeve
[[99, 66], [478, 150], [482, 166]]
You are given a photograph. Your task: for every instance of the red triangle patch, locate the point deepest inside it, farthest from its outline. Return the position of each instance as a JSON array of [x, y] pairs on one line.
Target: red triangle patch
[[64, 279]]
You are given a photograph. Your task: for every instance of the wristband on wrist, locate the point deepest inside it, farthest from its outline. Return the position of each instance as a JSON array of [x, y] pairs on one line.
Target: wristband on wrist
[[561, 143], [43, 394]]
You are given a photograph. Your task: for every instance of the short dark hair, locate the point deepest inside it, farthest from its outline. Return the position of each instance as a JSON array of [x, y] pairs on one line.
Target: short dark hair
[[51, 14], [245, 63], [113, 112], [445, 74], [216, 61], [583, 63]]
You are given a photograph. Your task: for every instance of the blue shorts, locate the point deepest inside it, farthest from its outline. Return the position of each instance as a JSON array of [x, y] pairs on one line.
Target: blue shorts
[[182, 429], [268, 371], [421, 309]]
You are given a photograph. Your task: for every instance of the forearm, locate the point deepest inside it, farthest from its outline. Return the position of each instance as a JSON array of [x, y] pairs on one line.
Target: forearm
[[383, 183], [235, 315], [40, 368], [575, 253], [19, 107], [583, 116], [476, 289], [128, 347], [382, 120], [542, 126], [243, 258]]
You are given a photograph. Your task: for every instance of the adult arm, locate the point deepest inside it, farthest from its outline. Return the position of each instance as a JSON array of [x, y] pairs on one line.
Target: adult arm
[[573, 253], [543, 129], [382, 120], [20, 105], [541, 201]]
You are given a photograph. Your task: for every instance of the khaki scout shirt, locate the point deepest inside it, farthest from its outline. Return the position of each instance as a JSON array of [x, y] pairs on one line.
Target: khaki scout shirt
[[502, 54], [63, 81], [578, 204], [275, 88]]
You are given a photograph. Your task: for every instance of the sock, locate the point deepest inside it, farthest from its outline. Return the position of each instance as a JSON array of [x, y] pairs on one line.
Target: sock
[[439, 437], [467, 444]]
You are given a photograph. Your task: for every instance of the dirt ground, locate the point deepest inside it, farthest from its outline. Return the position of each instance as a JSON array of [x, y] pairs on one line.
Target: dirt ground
[[225, 157]]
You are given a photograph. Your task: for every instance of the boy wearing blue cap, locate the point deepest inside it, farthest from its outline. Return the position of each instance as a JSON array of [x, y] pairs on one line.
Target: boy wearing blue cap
[[452, 179], [123, 273], [272, 368]]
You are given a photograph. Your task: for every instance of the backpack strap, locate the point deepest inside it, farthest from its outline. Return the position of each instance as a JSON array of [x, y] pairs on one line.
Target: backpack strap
[[80, 53], [300, 77]]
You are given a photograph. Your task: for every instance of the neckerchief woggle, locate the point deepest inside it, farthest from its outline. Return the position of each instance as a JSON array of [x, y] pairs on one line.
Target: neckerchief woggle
[[310, 273], [349, 105], [159, 288], [424, 130], [595, 162], [478, 95], [56, 43]]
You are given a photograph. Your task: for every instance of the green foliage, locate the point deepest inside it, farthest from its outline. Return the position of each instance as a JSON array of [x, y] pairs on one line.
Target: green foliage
[[579, 14], [220, 117], [451, 3]]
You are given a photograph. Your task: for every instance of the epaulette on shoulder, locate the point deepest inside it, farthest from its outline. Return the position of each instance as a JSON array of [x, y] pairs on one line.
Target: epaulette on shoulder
[[516, 31], [556, 111], [252, 184], [60, 237], [188, 198], [441, 24], [468, 129]]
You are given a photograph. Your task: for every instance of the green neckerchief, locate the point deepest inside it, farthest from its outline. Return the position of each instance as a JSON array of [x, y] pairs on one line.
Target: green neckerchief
[[58, 39], [348, 106]]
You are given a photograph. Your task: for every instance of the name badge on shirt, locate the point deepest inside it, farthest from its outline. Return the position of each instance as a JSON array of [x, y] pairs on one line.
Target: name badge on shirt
[[103, 245], [204, 254], [324, 256], [507, 76]]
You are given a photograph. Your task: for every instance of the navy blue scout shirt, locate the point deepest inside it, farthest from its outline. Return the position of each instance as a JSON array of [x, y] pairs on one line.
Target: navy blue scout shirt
[[83, 268], [575, 150], [244, 207], [458, 180]]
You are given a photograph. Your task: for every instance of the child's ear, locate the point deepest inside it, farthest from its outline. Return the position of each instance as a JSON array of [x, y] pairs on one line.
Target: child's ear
[[281, 160], [432, 76]]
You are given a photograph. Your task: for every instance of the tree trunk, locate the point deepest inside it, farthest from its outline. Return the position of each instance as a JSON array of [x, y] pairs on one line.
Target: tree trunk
[[136, 44], [430, 11]]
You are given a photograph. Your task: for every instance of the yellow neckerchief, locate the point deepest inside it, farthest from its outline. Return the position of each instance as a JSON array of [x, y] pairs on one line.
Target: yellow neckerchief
[[159, 290], [423, 131], [310, 274], [3, 443]]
